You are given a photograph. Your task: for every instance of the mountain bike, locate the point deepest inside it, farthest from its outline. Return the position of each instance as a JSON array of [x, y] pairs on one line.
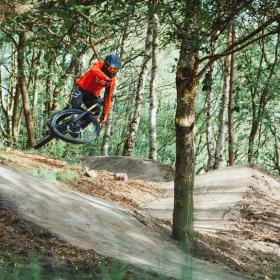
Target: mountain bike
[[73, 125]]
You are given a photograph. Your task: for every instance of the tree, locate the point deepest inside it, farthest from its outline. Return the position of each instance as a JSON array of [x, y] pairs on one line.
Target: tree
[[223, 117], [230, 101], [186, 84], [187, 78], [130, 142], [153, 94], [24, 93]]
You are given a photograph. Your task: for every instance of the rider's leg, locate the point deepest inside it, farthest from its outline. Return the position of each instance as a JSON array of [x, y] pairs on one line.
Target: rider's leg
[[77, 98]]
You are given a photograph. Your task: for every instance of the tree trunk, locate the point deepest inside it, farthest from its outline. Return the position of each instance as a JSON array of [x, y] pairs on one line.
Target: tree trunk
[[107, 132], [23, 89], [223, 115], [16, 112], [2, 106], [35, 87], [129, 144], [208, 81], [230, 101], [258, 109], [276, 156], [109, 123], [48, 91], [207, 87], [186, 84], [153, 96]]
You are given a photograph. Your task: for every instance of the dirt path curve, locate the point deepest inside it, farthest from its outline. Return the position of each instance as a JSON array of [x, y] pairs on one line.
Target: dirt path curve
[[236, 211], [91, 223], [219, 196], [236, 218]]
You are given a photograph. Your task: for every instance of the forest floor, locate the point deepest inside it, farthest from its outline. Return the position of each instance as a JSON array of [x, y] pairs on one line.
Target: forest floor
[[237, 215], [23, 240]]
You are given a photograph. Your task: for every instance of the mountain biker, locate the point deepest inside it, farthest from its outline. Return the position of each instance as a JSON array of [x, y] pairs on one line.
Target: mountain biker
[[88, 87]]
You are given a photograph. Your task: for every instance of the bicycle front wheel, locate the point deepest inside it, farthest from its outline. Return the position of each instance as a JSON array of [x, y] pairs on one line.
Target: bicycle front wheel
[[69, 126]]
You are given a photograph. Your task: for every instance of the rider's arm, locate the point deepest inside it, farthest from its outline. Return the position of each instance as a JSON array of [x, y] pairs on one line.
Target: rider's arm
[[108, 100]]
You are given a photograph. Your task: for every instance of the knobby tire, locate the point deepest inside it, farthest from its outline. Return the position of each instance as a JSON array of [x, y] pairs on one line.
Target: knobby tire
[[60, 134]]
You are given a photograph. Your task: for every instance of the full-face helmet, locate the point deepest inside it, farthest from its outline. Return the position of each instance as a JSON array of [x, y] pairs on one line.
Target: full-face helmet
[[112, 64]]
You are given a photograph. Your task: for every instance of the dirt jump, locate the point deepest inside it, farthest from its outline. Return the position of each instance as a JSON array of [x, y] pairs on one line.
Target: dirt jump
[[135, 168], [237, 213], [91, 223]]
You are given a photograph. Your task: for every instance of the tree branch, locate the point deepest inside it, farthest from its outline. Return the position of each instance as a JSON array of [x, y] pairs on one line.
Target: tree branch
[[231, 48], [234, 47], [93, 48]]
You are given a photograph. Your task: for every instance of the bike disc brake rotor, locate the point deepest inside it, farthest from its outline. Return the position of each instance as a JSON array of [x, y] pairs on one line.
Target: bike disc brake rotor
[[74, 128]]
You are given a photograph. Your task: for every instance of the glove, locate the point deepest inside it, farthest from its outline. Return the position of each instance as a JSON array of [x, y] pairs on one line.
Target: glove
[[108, 83], [102, 120]]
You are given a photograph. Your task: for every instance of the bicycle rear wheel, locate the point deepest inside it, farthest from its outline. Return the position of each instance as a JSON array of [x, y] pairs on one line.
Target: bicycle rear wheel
[[70, 127]]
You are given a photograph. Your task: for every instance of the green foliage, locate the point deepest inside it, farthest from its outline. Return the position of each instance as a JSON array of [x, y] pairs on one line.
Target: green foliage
[[45, 174], [17, 270], [59, 32], [32, 269], [52, 176]]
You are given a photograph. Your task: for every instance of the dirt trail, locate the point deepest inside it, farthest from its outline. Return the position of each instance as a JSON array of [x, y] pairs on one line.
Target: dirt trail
[[236, 217], [237, 213], [91, 223]]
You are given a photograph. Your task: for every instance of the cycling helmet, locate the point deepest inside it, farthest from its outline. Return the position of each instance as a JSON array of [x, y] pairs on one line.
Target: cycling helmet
[[112, 64]]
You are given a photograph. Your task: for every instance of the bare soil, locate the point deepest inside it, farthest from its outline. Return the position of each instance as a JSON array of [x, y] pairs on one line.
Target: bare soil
[[132, 194], [25, 239], [237, 218]]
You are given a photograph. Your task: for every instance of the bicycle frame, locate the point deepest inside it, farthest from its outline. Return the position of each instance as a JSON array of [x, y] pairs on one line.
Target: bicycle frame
[[87, 111]]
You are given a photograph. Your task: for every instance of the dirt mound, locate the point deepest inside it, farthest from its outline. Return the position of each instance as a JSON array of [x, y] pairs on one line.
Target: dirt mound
[[134, 168], [131, 194], [90, 223], [237, 218], [236, 209]]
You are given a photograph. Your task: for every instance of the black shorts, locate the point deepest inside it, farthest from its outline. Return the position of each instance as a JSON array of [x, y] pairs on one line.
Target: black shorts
[[80, 96]]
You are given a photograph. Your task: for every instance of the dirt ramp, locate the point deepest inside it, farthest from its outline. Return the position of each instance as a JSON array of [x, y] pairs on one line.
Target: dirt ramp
[[236, 217], [90, 223], [133, 167]]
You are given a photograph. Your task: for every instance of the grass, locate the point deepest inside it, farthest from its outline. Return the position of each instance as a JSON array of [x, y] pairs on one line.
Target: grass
[[53, 176], [16, 269]]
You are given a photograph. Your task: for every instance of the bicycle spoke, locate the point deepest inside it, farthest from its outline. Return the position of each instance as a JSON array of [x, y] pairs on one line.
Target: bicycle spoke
[[73, 128]]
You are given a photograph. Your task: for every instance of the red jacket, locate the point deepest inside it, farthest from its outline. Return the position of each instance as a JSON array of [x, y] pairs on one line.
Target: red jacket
[[94, 81]]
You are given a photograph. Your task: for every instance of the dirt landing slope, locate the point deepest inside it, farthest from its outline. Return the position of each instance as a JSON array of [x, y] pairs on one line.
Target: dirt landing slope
[[91, 223], [237, 215], [237, 218]]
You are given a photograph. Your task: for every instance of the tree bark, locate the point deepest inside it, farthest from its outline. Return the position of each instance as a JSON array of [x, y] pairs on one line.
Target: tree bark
[[130, 142], [107, 132], [23, 89], [223, 115], [208, 81], [48, 96], [2, 106], [153, 96], [16, 118], [186, 84], [35, 87], [230, 101]]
